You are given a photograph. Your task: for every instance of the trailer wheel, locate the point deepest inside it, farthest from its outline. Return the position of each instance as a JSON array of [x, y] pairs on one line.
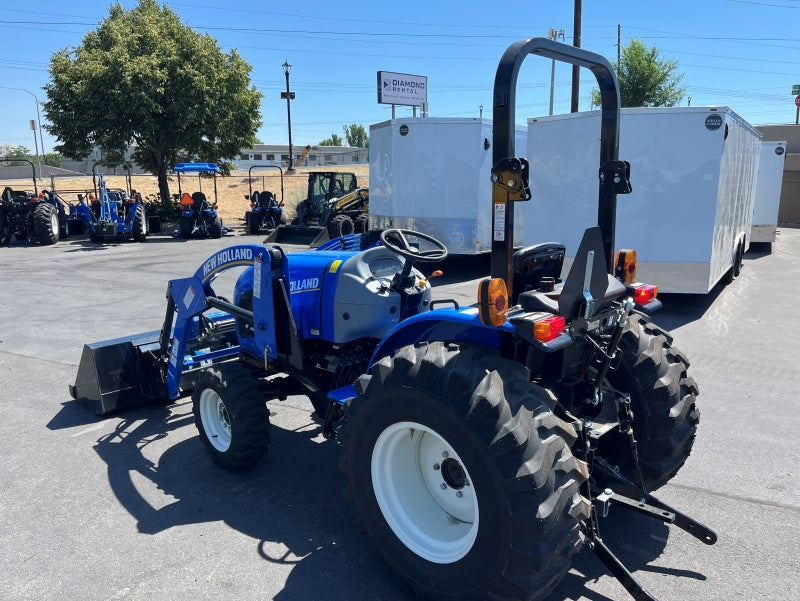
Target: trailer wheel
[[340, 225], [215, 229], [663, 397], [45, 223], [139, 228], [462, 475], [362, 223], [231, 416], [737, 266]]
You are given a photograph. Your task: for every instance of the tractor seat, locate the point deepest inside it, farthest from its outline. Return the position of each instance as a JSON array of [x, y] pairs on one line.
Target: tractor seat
[[199, 201], [532, 263], [266, 199]]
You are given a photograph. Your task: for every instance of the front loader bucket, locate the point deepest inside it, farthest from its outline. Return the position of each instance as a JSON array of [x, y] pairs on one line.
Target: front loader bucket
[[119, 374], [294, 234]]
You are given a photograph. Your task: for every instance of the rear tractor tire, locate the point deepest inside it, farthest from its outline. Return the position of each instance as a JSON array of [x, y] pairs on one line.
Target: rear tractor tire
[[231, 416], [185, 228], [45, 222], [5, 227], [139, 228], [462, 475], [215, 228], [663, 396], [254, 223]]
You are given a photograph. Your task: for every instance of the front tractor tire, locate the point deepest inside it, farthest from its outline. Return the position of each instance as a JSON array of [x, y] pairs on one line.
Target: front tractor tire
[[663, 397], [46, 224], [231, 415], [462, 475], [340, 225]]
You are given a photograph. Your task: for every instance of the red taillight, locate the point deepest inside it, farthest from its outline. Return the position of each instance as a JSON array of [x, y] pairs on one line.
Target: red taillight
[[645, 293], [252, 204], [549, 328]]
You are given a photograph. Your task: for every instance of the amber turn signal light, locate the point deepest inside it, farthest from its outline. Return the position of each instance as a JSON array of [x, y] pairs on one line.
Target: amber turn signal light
[[493, 301]]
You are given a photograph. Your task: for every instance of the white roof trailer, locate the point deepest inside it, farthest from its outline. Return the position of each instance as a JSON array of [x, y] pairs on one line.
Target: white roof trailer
[[768, 192], [693, 174], [433, 175]]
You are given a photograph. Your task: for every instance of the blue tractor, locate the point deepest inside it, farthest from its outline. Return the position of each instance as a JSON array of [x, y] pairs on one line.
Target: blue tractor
[[481, 444], [199, 217], [266, 211], [109, 214]]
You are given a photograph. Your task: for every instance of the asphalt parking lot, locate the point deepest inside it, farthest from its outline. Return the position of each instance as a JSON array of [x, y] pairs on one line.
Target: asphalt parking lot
[[131, 507]]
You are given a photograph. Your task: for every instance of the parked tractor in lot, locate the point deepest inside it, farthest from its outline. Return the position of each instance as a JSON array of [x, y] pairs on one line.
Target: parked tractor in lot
[[334, 206], [266, 211], [199, 217], [481, 444], [110, 215], [29, 215]]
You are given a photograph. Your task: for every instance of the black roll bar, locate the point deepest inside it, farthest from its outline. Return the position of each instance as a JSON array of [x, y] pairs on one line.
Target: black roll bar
[[505, 89], [33, 169]]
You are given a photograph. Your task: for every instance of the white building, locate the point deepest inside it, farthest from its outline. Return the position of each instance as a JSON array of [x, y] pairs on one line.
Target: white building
[[302, 156]]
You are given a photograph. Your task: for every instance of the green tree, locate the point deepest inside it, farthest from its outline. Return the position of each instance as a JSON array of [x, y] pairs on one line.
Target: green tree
[[356, 136], [646, 79], [144, 78], [334, 140]]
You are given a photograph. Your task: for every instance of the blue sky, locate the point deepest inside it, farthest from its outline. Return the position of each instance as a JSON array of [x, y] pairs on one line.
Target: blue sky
[[738, 53]]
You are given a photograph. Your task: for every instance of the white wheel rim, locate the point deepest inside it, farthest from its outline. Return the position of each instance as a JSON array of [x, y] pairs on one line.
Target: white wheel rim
[[425, 493], [54, 226], [215, 419]]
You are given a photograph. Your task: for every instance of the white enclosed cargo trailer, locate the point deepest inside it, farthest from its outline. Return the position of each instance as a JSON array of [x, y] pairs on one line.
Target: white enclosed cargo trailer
[[433, 175], [693, 174], [768, 192]]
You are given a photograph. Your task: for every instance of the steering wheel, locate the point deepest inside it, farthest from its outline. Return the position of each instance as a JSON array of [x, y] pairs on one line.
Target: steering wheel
[[395, 240]]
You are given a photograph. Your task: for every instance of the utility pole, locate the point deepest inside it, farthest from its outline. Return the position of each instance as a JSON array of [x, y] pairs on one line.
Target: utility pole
[[576, 70], [619, 46], [289, 97], [554, 34]]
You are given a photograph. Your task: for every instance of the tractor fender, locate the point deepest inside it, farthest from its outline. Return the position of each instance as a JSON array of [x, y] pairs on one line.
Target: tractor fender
[[462, 325]]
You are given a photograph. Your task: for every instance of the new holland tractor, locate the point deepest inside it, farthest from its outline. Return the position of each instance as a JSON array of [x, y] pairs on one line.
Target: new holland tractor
[[111, 215], [481, 445], [32, 216], [199, 217], [266, 211]]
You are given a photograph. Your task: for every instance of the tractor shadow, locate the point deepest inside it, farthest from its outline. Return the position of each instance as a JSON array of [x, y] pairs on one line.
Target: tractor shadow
[[291, 502]]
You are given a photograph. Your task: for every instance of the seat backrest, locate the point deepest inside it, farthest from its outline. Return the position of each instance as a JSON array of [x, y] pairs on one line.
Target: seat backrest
[[198, 201], [266, 199], [532, 263]]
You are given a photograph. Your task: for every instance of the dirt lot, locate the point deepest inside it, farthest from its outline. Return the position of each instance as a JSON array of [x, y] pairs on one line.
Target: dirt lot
[[231, 190]]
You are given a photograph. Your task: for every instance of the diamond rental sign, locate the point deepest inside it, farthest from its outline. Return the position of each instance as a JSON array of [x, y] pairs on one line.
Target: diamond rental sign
[[402, 88]]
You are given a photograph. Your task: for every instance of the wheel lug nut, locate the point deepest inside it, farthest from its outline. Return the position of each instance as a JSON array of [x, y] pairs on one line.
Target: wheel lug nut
[[436, 466], [459, 494], [444, 486], [445, 454]]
